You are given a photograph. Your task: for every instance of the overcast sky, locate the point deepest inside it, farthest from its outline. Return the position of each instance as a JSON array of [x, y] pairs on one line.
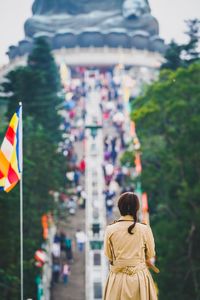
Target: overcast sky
[[170, 14]]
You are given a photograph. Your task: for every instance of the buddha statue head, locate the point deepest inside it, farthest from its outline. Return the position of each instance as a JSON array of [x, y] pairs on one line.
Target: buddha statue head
[[132, 9], [53, 7]]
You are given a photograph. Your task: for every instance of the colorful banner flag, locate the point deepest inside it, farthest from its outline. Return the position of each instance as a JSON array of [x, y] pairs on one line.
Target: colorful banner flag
[[44, 221], [138, 165], [10, 154], [132, 129], [144, 202]]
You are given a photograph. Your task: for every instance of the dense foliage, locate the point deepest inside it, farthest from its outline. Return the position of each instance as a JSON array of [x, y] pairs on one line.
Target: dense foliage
[[168, 125], [183, 55], [36, 85]]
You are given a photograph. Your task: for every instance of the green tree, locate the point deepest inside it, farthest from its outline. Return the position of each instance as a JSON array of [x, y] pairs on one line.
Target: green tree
[[183, 55], [193, 33], [37, 86], [173, 56], [168, 125]]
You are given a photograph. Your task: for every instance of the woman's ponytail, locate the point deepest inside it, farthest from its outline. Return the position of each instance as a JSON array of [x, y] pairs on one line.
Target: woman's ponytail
[[134, 223], [128, 204]]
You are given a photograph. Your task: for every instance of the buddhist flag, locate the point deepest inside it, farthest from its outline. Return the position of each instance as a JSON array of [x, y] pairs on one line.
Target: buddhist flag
[[132, 129], [138, 165], [144, 202], [44, 221], [145, 209], [11, 154]]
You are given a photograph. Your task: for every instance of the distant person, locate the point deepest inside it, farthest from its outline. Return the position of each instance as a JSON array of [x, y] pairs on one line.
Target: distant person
[[108, 172], [84, 199], [56, 238], [56, 250], [106, 143], [81, 202], [109, 207], [62, 241], [119, 177], [80, 239], [129, 246], [82, 166], [65, 273], [68, 249], [56, 272], [72, 206], [76, 177]]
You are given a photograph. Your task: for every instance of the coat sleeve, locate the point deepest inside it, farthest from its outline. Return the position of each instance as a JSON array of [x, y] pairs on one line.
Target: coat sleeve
[[107, 246], [149, 243]]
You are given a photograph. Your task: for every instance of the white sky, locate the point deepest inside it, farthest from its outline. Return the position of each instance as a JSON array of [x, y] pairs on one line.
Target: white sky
[[170, 14]]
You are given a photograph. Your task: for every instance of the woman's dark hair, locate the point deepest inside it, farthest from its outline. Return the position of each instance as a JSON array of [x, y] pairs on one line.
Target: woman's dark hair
[[128, 204]]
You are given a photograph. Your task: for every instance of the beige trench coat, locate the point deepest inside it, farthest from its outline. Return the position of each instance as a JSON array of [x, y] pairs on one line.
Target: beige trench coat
[[129, 277]]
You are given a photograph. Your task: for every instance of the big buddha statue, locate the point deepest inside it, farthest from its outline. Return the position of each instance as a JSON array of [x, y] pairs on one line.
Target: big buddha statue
[[53, 16]]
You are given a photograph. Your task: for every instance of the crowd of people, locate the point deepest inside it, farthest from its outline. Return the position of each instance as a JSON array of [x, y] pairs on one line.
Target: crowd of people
[[74, 197], [63, 249], [115, 139], [67, 243]]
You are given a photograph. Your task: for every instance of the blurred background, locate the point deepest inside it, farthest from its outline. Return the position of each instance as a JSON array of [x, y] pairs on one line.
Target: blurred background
[[111, 103]]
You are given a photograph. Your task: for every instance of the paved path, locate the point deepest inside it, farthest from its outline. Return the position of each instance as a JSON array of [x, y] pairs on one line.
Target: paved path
[[75, 290]]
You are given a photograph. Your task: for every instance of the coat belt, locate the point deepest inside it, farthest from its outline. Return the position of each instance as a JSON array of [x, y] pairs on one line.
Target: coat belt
[[129, 267]]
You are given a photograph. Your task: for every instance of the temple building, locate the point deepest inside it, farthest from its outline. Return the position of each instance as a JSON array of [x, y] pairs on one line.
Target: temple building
[[113, 24]]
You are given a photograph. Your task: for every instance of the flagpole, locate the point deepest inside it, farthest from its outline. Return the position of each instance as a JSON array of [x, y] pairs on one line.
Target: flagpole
[[21, 204]]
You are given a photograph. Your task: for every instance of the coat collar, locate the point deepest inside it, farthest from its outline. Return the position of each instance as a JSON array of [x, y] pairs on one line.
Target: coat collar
[[126, 218]]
